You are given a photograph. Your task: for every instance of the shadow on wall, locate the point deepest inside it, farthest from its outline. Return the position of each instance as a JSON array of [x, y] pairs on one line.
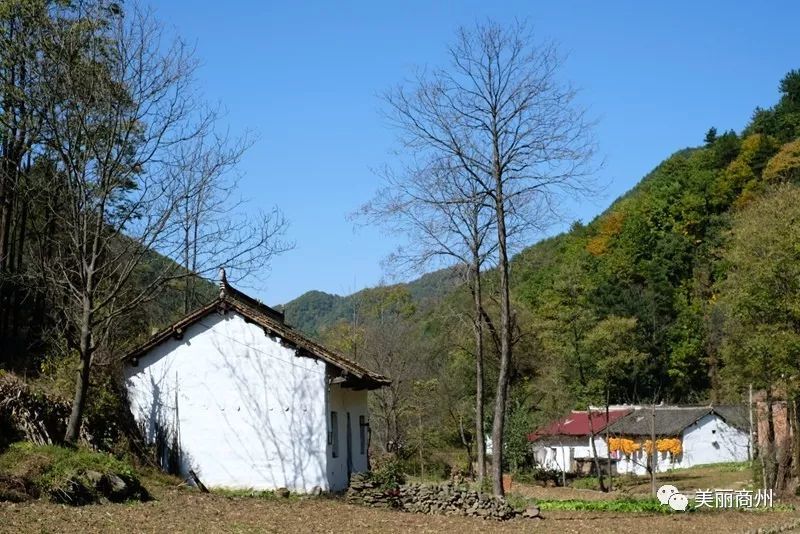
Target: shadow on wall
[[159, 424], [266, 409], [282, 405]]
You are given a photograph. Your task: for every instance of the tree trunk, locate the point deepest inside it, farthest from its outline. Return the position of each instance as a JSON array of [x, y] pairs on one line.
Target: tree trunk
[[187, 281], [595, 459], [16, 290], [505, 335], [82, 379], [769, 457], [478, 324], [795, 425], [6, 198], [466, 443], [652, 457]]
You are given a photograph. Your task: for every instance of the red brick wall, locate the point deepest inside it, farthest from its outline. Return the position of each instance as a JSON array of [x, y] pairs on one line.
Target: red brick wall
[[780, 417]]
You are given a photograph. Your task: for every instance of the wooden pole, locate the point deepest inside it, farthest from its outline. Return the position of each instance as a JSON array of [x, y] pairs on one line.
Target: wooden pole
[[563, 458], [653, 453], [595, 459], [197, 481], [608, 447], [750, 449]]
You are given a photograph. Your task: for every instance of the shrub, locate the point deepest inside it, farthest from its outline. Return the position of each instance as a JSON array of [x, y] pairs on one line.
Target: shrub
[[438, 468], [544, 475], [387, 472], [107, 418]]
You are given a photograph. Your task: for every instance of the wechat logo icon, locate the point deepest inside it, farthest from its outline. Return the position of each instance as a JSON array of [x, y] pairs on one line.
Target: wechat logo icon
[[669, 495]]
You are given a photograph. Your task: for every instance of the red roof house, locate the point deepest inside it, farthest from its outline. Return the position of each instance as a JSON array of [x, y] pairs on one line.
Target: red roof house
[[566, 444], [577, 424]]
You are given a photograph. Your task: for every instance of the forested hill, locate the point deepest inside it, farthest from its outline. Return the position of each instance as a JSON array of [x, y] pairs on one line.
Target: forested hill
[[314, 311], [637, 304]]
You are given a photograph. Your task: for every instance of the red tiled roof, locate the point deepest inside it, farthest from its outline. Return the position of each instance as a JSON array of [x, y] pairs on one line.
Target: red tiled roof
[[577, 424]]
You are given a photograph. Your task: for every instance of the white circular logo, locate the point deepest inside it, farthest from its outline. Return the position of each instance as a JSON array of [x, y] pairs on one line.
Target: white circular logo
[[678, 502], [669, 495], [665, 492]]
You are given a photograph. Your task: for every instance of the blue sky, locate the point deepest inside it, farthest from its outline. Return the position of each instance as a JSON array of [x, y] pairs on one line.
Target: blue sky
[[306, 77]]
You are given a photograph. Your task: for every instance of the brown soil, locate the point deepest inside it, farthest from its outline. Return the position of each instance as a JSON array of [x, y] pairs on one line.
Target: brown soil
[[180, 510]]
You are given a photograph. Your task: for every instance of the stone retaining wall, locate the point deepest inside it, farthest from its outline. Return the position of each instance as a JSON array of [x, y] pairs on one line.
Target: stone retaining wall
[[445, 499]]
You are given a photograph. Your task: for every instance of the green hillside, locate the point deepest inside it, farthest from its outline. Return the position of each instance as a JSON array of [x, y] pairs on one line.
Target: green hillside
[[314, 311], [628, 306]]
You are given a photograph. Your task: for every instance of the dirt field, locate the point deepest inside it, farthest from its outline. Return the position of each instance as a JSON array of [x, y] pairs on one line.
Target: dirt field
[[189, 511]]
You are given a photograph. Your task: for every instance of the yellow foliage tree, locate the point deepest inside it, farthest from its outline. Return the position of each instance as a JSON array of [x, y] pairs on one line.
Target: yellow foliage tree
[[740, 174], [610, 226], [785, 165]]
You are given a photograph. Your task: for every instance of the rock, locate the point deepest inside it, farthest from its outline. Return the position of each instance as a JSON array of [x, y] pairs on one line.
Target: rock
[[531, 512], [94, 477], [73, 492], [17, 489], [115, 488], [118, 487]]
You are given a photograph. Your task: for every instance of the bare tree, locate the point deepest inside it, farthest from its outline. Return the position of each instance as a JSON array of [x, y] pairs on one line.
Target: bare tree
[[386, 337], [20, 23], [214, 232], [500, 113], [118, 110], [445, 218]]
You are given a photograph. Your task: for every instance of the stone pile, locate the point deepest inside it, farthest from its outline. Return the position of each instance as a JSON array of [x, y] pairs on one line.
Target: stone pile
[[84, 487], [363, 490], [443, 499]]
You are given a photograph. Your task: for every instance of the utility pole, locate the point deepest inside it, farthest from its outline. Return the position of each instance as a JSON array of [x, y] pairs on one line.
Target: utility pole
[[750, 417], [608, 448], [595, 458], [653, 453]]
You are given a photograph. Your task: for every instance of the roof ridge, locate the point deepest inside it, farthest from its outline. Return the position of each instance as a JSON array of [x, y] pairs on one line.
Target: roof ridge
[[267, 318]]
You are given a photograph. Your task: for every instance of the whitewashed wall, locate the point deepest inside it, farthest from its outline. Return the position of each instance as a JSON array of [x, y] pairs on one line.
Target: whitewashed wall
[[344, 401], [552, 453], [712, 440], [248, 412], [708, 441]]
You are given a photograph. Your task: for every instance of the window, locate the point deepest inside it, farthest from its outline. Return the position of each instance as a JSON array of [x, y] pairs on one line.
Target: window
[[362, 433], [334, 435]]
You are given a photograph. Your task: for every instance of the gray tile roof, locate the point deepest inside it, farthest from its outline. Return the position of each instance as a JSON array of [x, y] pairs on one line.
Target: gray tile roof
[[269, 319], [672, 420]]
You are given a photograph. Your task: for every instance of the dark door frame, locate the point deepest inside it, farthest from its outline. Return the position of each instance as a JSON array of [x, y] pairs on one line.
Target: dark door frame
[[349, 447]]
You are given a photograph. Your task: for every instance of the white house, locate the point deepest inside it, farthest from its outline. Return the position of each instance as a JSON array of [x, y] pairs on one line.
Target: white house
[[566, 444], [234, 394], [707, 434]]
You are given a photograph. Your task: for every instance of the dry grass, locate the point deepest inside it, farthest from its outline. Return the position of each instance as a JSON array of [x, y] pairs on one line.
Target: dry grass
[[177, 510], [721, 476]]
